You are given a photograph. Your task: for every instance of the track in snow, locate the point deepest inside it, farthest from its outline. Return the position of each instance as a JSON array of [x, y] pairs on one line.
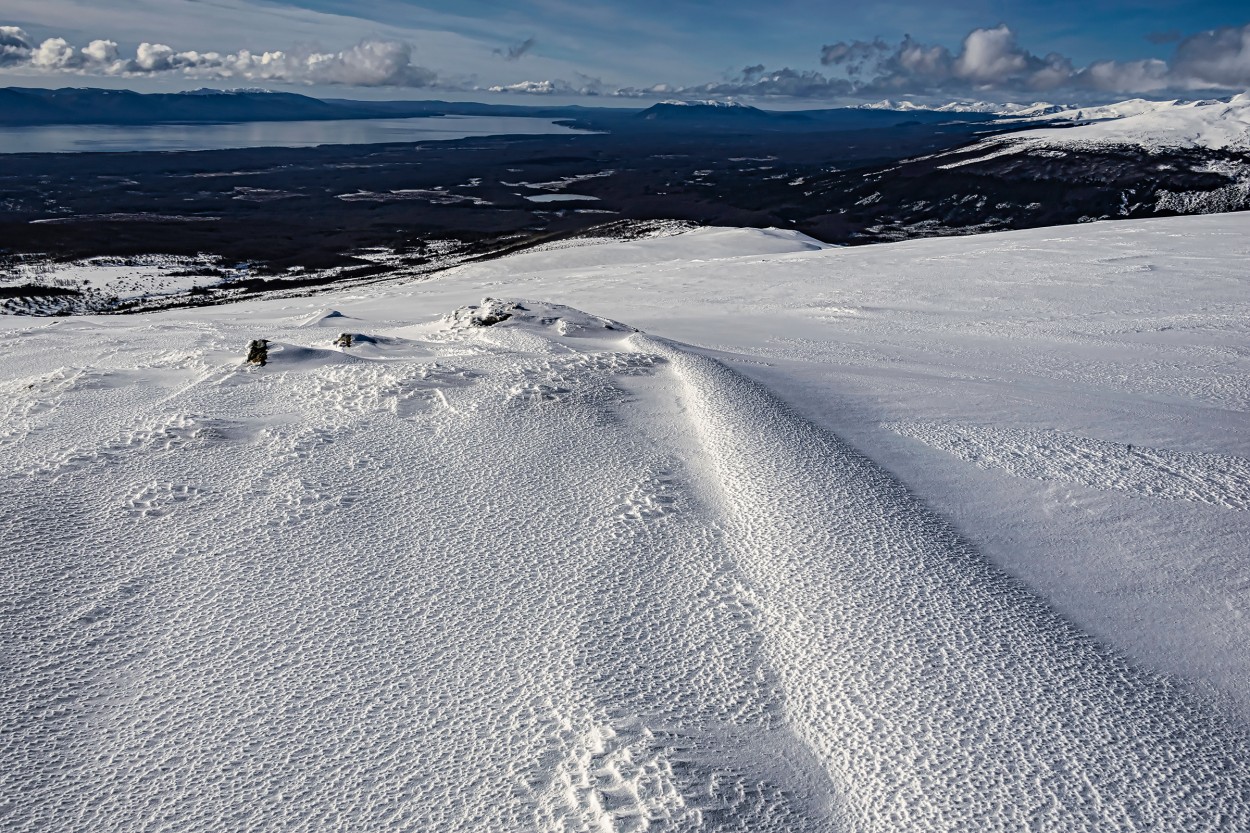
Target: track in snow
[[547, 575]]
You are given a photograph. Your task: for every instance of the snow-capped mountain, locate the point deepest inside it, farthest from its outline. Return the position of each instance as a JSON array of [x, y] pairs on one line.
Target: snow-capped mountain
[[1153, 126], [1056, 112], [729, 103], [1133, 159], [228, 91], [725, 111], [1039, 108]]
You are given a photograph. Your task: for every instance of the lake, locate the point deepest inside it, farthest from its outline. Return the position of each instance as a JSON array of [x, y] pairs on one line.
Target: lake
[[86, 138]]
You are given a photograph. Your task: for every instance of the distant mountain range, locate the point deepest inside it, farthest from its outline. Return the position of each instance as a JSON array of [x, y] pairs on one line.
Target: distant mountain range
[[1040, 108], [1152, 125], [20, 106], [715, 115], [25, 106], [845, 175], [1131, 160]]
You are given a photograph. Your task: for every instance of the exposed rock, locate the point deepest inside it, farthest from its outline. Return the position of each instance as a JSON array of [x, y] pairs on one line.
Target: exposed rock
[[258, 351], [564, 320], [490, 312], [344, 340]]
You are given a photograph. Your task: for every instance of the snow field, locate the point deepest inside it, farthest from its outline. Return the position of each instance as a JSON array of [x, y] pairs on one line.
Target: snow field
[[309, 601], [1214, 125], [939, 693], [1215, 479], [557, 575], [1119, 333]]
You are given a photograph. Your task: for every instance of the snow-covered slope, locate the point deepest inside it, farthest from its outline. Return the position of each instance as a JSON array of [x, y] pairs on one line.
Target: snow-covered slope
[[847, 539], [1169, 158], [1117, 110], [1010, 109], [1207, 123], [1217, 125]]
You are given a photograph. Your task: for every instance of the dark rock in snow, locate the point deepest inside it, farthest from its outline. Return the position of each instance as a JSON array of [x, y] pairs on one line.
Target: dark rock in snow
[[258, 352]]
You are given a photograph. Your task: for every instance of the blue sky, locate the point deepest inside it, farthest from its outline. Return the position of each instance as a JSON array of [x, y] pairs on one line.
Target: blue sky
[[796, 50]]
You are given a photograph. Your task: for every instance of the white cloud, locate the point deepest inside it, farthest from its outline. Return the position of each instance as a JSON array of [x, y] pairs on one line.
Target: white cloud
[[100, 52], [990, 55], [54, 53], [989, 63], [534, 88], [370, 63], [156, 57], [992, 60], [15, 46], [1220, 57], [458, 41], [1129, 77], [585, 86]]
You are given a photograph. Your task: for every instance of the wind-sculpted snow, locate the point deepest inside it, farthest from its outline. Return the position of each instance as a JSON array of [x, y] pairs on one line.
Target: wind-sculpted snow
[[448, 583], [522, 568], [1215, 479], [939, 694]]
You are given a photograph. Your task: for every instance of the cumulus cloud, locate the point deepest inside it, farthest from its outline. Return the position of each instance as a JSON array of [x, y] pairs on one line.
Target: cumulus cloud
[[1219, 58], [370, 63], [991, 54], [759, 81], [100, 52], [548, 87], [988, 58], [992, 60], [54, 53], [584, 85], [989, 63], [518, 50], [15, 46], [1151, 75]]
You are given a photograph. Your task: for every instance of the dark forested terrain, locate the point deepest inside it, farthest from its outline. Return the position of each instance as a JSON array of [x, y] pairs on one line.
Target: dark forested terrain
[[843, 176]]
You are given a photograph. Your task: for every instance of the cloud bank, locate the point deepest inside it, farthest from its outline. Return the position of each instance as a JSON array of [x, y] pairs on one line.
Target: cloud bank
[[989, 63], [993, 60], [370, 63]]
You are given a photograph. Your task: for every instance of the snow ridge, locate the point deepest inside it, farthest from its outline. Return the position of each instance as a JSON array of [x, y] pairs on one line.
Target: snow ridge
[[938, 693]]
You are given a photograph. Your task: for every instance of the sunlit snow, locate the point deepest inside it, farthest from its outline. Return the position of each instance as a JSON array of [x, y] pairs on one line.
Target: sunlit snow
[[728, 530]]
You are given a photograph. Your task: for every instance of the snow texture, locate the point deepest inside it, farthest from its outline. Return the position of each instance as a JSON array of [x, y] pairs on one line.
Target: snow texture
[[503, 564]]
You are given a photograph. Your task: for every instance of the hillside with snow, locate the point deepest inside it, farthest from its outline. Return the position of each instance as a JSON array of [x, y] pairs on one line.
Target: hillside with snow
[[1132, 160], [1046, 111], [1155, 126], [724, 530]]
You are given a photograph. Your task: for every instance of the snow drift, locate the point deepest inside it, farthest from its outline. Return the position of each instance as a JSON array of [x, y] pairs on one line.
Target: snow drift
[[504, 564]]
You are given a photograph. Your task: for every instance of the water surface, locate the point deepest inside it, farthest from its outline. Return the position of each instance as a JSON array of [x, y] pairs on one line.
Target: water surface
[[62, 138]]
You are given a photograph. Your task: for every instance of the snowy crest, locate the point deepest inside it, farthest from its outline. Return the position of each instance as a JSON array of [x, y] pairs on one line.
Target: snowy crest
[[566, 320]]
